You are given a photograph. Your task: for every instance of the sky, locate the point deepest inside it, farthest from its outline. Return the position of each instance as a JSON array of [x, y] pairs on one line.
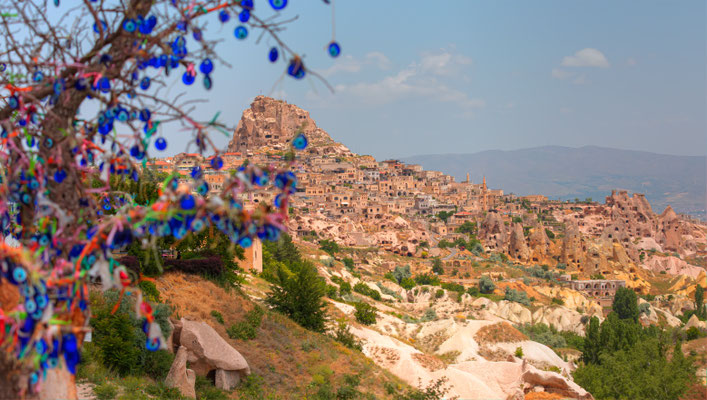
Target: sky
[[462, 76]]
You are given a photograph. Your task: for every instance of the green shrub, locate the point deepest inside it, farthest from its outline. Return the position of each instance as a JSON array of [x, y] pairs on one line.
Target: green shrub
[[149, 290], [408, 283], [558, 301], [367, 291], [426, 279], [486, 285], [343, 335], [693, 333], [105, 391], [344, 288], [331, 291], [519, 352], [329, 246], [454, 287], [348, 263], [298, 294], [241, 330], [217, 316], [439, 293], [430, 315], [365, 313], [516, 296]]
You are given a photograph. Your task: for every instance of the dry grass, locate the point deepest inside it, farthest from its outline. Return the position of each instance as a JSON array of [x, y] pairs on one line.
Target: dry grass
[[502, 332], [286, 355], [544, 396]]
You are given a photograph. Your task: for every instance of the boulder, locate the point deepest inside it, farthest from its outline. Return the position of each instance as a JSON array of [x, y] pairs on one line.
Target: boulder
[[694, 321], [227, 380], [208, 351], [179, 376], [552, 382]]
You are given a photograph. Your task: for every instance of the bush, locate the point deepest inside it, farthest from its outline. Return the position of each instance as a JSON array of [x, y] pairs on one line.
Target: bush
[[329, 246], [365, 313], [437, 266], [367, 291], [408, 283], [516, 296], [105, 391], [401, 273], [486, 285], [426, 279], [348, 263], [331, 291], [149, 291], [693, 333], [209, 266], [217, 316], [558, 301], [430, 315], [473, 291], [519, 352], [343, 335], [453, 287], [241, 330], [439, 293]]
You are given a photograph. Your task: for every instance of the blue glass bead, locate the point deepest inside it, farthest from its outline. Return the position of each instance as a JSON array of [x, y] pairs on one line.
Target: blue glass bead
[[334, 49], [206, 66], [161, 144], [40, 346], [198, 225], [182, 26], [145, 83], [244, 16], [241, 32], [135, 151], [296, 69], [153, 344], [278, 4], [19, 274], [3, 67], [187, 202], [247, 4], [105, 128], [300, 142], [203, 189], [37, 76], [33, 378], [30, 306], [103, 24], [59, 86], [216, 163], [152, 21], [145, 115], [245, 242], [278, 200], [224, 16], [188, 78], [122, 115], [129, 25], [104, 85], [196, 172], [197, 34], [59, 176], [13, 102], [208, 84], [272, 56]]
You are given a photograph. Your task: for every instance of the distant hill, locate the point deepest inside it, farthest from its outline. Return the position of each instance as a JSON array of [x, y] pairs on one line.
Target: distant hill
[[567, 173]]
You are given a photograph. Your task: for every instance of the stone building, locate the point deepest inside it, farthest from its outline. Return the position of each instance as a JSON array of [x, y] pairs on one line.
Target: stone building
[[598, 288]]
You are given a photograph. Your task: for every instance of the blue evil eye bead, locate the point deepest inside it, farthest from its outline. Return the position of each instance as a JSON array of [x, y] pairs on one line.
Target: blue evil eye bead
[[272, 56], [334, 49], [13, 102], [161, 144], [198, 225], [197, 34], [244, 16], [216, 163], [152, 22], [122, 115], [203, 189], [152, 344], [130, 25], [48, 143], [3, 67], [188, 78], [104, 85], [182, 26], [296, 69], [40, 346], [247, 4], [145, 83], [224, 16], [187, 202], [208, 83], [145, 115], [105, 128], [278, 4], [33, 378], [19, 274], [81, 84], [300, 142], [241, 32], [103, 25], [245, 242], [30, 306], [206, 66], [42, 301], [135, 151], [37, 76], [279, 200], [196, 172], [59, 86]]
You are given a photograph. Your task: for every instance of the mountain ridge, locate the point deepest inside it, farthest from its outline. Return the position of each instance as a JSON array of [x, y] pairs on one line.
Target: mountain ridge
[[580, 172]]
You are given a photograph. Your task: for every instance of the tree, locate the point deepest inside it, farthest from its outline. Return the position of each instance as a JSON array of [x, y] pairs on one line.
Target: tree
[[444, 215], [329, 246], [699, 303], [437, 266], [365, 313], [468, 227], [486, 285], [625, 304], [592, 344], [401, 273], [298, 294], [112, 60]]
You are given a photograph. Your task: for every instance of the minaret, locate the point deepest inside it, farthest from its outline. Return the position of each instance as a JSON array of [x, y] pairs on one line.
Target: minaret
[[483, 186], [467, 178]]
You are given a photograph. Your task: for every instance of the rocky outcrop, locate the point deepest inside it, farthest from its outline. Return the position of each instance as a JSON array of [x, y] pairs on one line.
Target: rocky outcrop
[[207, 351], [572, 247], [535, 380], [493, 232], [517, 247], [273, 123], [180, 377]]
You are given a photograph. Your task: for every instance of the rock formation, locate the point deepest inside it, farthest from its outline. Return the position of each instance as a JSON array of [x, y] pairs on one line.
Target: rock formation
[[180, 377], [493, 232], [517, 247]]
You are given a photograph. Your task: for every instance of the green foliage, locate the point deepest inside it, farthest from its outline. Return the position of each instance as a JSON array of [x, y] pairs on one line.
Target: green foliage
[[444, 215], [641, 372], [365, 313], [217, 316], [549, 336], [516, 296], [700, 309], [331, 291], [247, 329], [427, 279], [517, 220], [519, 352], [558, 301], [388, 292], [439, 293], [597, 276], [367, 291], [693, 333], [298, 294], [486, 285], [453, 287], [329, 246], [550, 234], [445, 244], [437, 266], [430, 315], [119, 340], [401, 273], [207, 244], [149, 290], [105, 391], [348, 263], [468, 227], [626, 304], [408, 283], [343, 335]]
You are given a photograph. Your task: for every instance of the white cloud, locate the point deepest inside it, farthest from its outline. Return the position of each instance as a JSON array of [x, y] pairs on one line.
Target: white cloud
[[350, 64], [586, 58], [561, 74], [435, 76]]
